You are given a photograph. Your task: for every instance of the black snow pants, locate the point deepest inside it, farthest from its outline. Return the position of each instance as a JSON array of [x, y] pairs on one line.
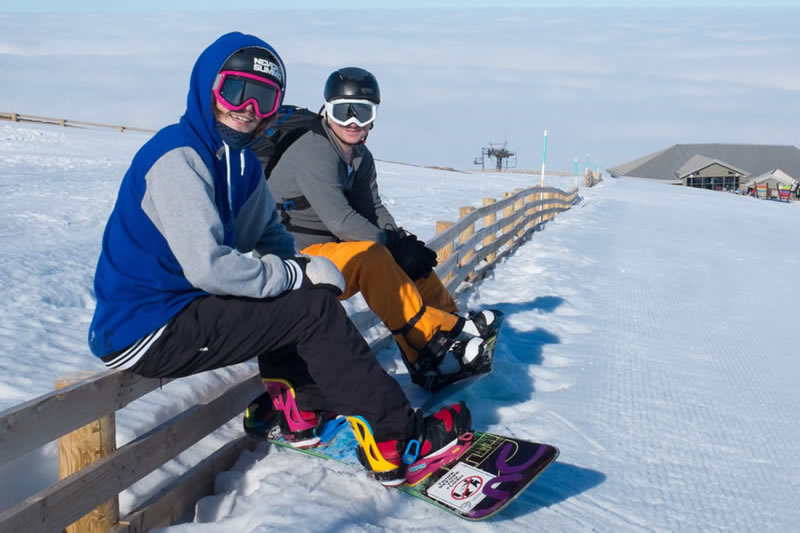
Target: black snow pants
[[303, 336]]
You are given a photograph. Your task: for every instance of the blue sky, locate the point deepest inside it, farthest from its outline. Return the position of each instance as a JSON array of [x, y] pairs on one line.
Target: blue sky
[[611, 83], [195, 5]]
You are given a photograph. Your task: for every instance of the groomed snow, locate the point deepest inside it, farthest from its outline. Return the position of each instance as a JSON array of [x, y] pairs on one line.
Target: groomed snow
[[651, 336]]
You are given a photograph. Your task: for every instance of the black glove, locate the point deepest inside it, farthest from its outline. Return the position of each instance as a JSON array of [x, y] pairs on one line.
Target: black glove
[[416, 259], [313, 271]]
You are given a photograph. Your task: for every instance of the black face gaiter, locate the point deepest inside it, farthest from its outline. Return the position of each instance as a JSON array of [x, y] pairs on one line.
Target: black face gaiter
[[235, 139]]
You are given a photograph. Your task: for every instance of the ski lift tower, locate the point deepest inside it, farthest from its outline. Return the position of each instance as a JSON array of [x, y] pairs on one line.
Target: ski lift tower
[[501, 154]]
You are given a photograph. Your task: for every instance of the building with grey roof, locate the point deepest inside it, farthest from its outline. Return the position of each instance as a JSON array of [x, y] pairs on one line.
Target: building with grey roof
[[708, 173], [712, 166]]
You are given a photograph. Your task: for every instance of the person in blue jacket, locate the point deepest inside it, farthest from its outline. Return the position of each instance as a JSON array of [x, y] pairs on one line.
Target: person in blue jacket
[[196, 272]]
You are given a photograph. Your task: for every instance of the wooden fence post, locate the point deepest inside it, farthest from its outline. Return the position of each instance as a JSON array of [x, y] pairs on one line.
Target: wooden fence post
[[540, 207], [488, 220], [447, 249], [14, 117], [545, 206], [82, 447], [519, 205], [529, 211], [507, 212], [468, 232]]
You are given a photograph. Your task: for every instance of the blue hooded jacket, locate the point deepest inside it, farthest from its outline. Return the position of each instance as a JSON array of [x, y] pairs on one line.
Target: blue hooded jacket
[[193, 217]]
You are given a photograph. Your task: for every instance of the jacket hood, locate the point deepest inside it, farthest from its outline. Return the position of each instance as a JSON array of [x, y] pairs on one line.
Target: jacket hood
[[199, 111]]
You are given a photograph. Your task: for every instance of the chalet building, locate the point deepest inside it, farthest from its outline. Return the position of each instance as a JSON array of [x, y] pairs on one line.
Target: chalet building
[[707, 173], [776, 184], [772, 180], [716, 166]]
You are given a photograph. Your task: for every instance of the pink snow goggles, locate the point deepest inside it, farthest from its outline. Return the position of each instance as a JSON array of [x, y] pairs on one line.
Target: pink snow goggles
[[234, 90]]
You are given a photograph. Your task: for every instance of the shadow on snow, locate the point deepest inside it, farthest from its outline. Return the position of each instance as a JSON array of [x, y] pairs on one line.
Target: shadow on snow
[[510, 382], [558, 483]]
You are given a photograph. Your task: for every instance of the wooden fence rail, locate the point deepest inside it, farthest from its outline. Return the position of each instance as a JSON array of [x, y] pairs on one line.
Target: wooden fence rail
[[18, 117], [467, 249], [522, 214]]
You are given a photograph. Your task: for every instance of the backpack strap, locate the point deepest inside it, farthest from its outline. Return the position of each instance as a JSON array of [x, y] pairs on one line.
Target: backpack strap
[[299, 202], [291, 228], [292, 204], [292, 124]]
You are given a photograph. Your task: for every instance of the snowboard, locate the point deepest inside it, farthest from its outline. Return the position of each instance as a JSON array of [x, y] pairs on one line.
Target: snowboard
[[486, 473]]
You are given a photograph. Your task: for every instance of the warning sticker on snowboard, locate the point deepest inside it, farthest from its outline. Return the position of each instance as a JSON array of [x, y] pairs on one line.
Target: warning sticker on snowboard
[[461, 487]]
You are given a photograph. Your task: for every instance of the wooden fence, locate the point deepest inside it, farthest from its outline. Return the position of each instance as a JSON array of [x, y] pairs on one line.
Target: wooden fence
[[17, 117], [85, 499], [590, 179]]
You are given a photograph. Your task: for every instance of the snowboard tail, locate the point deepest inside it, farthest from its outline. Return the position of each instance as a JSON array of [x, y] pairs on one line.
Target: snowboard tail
[[493, 471]]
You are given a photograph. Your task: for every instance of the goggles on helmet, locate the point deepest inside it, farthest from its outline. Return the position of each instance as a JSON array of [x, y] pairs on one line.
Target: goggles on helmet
[[234, 90], [346, 111]]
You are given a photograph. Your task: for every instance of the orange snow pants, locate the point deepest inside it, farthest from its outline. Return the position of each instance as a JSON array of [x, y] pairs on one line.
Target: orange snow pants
[[370, 268]]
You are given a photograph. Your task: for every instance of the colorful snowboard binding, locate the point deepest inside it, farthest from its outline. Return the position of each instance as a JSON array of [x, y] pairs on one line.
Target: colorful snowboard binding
[[474, 480], [413, 470], [300, 428]]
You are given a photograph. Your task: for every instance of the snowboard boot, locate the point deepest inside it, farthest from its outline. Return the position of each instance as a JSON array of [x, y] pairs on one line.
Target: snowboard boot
[[259, 417], [479, 324], [436, 440], [452, 356], [300, 428], [470, 343], [467, 339]]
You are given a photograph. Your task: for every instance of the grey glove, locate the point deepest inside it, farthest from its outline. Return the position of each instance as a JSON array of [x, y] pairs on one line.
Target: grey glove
[[313, 271]]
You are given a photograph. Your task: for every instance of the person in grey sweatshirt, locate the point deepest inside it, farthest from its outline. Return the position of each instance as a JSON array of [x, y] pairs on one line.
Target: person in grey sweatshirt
[[325, 185]]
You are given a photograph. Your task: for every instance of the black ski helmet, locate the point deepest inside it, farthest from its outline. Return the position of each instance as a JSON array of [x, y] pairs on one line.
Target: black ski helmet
[[259, 61], [352, 82]]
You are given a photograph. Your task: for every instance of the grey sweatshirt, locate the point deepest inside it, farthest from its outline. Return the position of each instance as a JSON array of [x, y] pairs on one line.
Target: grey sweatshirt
[[345, 202]]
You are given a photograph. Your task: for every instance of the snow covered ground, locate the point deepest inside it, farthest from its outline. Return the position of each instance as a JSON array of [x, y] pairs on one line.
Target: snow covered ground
[[651, 336]]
